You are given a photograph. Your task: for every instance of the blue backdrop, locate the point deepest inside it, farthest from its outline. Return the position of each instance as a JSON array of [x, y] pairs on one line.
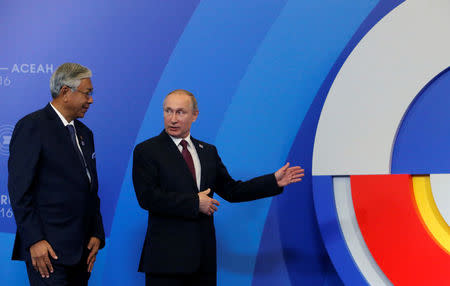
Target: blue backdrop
[[260, 70]]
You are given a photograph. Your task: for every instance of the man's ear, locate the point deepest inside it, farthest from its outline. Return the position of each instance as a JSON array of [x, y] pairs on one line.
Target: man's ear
[[195, 115], [64, 92]]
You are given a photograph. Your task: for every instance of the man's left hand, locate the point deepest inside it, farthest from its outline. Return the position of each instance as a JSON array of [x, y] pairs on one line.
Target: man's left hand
[[287, 175], [93, 246]]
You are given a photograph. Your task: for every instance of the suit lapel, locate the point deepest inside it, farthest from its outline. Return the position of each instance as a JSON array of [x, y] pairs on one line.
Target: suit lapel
[[84, 144], [62, 134], [202, 157], [87, 147], [175, 156]]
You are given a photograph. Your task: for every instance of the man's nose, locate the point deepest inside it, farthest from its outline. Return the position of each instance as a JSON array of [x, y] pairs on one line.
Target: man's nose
[[91, 99]]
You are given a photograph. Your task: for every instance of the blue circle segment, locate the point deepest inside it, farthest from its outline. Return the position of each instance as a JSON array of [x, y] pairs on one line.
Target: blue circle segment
[[422, 142]]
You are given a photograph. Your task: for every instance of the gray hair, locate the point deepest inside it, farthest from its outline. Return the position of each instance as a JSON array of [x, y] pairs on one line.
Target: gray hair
[[188, 93], [69, 74]]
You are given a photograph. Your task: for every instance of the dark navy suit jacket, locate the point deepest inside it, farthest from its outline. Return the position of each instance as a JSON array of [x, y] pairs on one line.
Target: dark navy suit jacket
[[179, 238], [51, 196]]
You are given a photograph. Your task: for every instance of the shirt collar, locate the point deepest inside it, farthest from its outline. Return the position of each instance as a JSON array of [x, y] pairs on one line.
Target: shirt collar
[[178, 140], [64, 121]]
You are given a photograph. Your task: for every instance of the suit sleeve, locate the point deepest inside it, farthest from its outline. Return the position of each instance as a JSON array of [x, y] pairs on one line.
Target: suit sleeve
[[24, 151], [239, 191], [150, 195], [97, 222]]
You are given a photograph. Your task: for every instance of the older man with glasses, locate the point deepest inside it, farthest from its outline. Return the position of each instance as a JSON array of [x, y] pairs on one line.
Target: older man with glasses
[[53, 185]]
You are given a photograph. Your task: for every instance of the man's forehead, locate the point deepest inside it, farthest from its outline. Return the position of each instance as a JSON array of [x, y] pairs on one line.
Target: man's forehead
[[177, 99], [86, 82], [178, 94]]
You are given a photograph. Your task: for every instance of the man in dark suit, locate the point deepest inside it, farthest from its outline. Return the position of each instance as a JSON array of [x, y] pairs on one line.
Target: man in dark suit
[[53, 185], [175, 177]]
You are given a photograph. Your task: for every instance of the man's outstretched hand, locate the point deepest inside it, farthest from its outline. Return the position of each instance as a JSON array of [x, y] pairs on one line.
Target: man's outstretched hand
[[287, 175], [207, 205]]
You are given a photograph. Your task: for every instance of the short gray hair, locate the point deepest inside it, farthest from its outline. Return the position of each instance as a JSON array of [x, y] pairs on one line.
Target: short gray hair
[[69, 74], [188, 93]]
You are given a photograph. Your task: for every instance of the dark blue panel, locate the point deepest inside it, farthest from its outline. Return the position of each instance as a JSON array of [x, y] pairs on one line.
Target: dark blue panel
[[422, 145]]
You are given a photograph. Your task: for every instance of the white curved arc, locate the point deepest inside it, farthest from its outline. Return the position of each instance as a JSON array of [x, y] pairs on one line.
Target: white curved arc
[[375, 86], [440, 187], [352, 234]]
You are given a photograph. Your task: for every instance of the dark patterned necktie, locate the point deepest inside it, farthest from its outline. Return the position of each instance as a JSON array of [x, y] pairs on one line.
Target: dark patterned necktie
[[77, 150], [188, 158]]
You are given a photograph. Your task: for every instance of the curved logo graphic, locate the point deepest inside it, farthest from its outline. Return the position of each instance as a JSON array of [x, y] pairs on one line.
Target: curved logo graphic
[[382, 207]]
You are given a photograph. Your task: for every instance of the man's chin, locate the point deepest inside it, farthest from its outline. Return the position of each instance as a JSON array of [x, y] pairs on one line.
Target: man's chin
[[174, 133]]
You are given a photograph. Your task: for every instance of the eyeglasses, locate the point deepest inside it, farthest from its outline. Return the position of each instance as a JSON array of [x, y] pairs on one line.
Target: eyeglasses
[[86, 93]]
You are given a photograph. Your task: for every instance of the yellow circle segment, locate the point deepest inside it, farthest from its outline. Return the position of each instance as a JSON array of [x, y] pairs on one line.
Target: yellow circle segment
[[429, 212]]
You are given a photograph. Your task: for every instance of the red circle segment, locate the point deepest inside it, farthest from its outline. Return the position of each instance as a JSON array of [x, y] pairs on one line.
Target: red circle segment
[[394, 233]]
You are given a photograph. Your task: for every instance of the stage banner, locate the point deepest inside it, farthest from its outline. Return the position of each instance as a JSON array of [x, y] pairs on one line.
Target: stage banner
[[275, 80]]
